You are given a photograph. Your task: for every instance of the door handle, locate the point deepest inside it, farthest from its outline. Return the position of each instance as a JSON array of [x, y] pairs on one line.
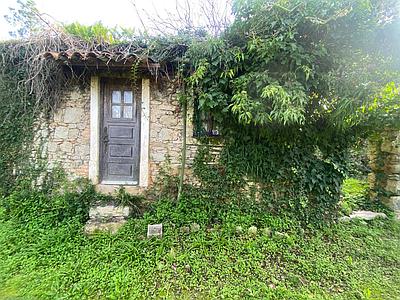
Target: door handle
[[105, 138]]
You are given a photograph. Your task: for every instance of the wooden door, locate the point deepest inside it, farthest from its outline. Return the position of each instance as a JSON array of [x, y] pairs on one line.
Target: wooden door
[[120, 134]]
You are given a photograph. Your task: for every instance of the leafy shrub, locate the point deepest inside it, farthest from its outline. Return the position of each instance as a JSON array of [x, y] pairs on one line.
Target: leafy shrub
[[359, 161], [298, 178], [333, 262], [49, 207], [16, 115], [289, 103], [166, 183], [123, 198], [355, 194]]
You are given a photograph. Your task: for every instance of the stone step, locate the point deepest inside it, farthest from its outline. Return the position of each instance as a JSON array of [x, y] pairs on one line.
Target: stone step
[[93, 227], [106, 218], [109, 211]]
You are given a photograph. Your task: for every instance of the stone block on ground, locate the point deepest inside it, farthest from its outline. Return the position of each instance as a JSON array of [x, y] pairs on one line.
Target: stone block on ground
[[106, 218], [109, 211], [93, 226], [363, 215]]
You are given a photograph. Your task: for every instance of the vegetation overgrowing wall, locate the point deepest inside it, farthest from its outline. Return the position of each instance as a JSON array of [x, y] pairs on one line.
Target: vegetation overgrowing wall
[[63, 138], [17, 114], [287, 100]]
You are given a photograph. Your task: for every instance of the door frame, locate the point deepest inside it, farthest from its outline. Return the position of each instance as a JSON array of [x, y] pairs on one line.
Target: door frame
[[96, 111], [108, 84]]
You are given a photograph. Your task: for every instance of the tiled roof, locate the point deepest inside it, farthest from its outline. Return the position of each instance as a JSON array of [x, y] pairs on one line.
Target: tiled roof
[[106, 57]]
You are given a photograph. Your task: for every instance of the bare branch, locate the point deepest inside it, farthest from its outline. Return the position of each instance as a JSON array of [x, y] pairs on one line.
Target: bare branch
[[212, 16]]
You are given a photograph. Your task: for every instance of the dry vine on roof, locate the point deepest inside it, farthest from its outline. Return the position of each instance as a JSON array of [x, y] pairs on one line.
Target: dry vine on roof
[[46, 78]]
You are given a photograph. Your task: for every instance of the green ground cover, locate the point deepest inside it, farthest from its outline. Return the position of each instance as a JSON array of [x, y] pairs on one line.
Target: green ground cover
[[283, 260]]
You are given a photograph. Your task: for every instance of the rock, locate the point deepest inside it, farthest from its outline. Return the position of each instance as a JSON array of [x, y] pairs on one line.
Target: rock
[[155, 230], [73, 134], [239, 229], [73, 115], [393, 185], [52, 147], [66, 147], [194, 227], [95, 226], [167, 134], [363, 215], [188, 268], [392, 202], [158, 155], [344, 219], [281, 234], [184, 229], [266, 231], [252, 230], [61, 133], [108, 218], [168, 121], [109, 211], [367, 215]]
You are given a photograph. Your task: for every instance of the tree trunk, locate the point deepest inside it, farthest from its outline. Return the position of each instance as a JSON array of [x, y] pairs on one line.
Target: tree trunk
[[183, 159]]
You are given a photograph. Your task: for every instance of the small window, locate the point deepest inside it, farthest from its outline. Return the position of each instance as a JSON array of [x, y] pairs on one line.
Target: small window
[[116, 97], [204, 123], [122, 105], [128, 97], [128, 112], [116, 111]]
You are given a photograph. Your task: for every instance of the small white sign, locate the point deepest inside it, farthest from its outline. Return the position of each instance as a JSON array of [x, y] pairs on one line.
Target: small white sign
[[154, 230]]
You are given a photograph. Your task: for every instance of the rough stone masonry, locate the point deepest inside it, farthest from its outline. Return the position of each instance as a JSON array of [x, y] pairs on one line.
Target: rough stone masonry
[[66, 135], [384, 156]]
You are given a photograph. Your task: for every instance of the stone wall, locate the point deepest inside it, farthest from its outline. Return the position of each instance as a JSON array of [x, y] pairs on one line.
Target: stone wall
[[166, 130], [384, 155], [67, 133]]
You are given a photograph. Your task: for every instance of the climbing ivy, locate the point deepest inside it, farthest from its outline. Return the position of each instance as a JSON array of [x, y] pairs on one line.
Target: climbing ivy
[[292, 86], [17, 118]]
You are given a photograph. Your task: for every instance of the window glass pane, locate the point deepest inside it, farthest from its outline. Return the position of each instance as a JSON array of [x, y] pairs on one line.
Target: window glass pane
[[128, 96], [116, 97], [116, 111], [128, 112]]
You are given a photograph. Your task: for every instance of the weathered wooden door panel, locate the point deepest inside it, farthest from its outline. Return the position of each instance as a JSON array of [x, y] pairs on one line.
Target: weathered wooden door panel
[[121, 133]]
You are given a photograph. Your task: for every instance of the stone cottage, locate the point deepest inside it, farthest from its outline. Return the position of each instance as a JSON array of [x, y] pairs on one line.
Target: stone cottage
[[118, 132], [114, 131]]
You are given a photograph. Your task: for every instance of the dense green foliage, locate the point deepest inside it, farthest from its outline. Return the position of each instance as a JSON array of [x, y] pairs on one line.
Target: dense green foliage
[[384, 109], [355, 193], [49, 208], [99, 33], [41, 259], [285, 178], [292, 63], [17, 117], [292, 89], [292, 85]]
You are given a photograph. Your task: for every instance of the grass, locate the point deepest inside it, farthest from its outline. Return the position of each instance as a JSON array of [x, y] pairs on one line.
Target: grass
[[354, 260], [355, 192]]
